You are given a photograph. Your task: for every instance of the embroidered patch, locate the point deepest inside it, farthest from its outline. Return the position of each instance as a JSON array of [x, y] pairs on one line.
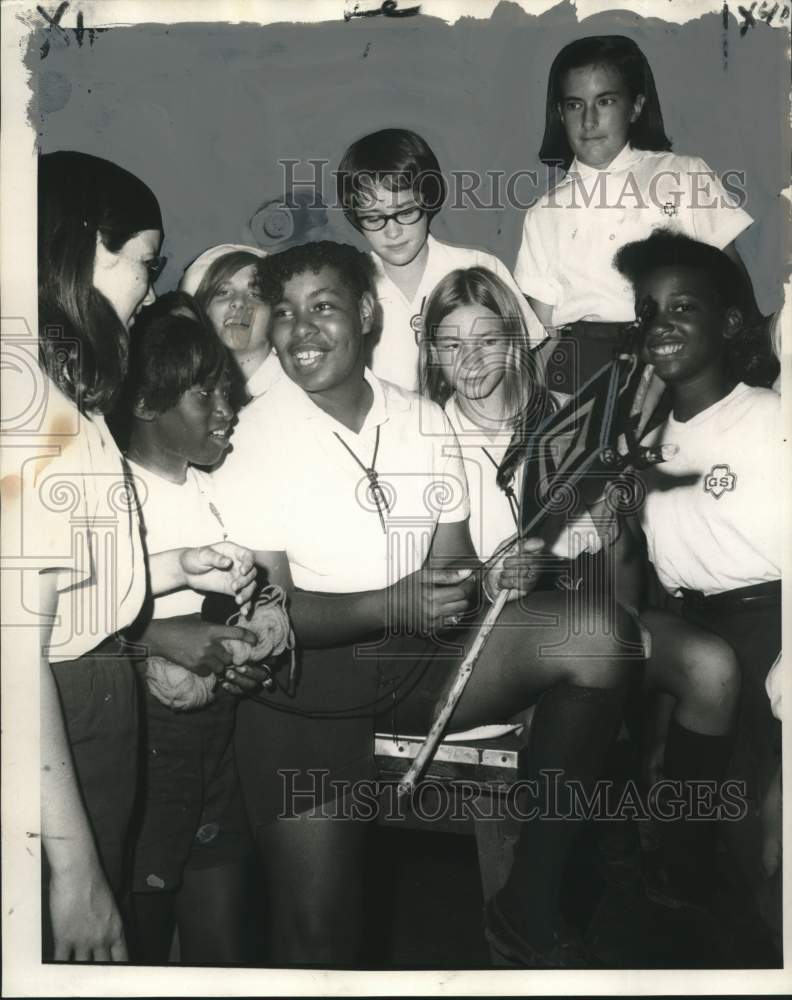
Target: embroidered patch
[[719, 481]]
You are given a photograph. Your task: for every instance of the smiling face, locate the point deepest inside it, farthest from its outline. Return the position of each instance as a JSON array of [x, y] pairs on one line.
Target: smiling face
[[126, 278], [685, 339], [397, 243], [197, 429], [597, 111], [473, 351], [238, 314], [318, 328]]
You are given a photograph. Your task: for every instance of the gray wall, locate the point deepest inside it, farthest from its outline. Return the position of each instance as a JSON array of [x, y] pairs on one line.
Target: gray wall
[[204, 112]]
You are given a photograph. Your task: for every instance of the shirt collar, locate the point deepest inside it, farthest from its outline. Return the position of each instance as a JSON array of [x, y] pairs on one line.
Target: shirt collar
[[432, 246], [265, 376], [387, 399], [435, 254], [624, 159], [470, 432]]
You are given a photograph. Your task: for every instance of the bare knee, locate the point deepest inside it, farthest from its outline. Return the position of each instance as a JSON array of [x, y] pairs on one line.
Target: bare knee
[[709, 675], [608, 654]]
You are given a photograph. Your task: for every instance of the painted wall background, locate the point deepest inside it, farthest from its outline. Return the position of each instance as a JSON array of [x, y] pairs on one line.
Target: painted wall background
[[204, 112]]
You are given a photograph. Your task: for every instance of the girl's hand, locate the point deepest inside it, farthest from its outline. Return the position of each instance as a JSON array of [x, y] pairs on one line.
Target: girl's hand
[[224, 567], [195, 644], [515, 568], [429, 599], [247, 679], [86, 923]]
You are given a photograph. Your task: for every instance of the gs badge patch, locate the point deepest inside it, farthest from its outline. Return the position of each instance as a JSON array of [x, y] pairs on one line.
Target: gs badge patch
[[719, 481]]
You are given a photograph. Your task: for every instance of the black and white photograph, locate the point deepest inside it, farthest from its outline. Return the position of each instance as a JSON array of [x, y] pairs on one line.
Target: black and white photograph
[[395, 497]]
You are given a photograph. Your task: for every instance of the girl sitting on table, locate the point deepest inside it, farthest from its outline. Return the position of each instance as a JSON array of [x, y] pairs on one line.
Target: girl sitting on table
[[385, 596], [604, 128]]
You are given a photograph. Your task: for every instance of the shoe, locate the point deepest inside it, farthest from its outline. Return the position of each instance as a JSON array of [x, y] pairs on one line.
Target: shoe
[[566, 951]]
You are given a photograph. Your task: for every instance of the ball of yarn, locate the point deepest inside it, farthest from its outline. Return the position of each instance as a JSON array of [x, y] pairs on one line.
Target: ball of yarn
[[176, 687], [270, 622], [239, 649]]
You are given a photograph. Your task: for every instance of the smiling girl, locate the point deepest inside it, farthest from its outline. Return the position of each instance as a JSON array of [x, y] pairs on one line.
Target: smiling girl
[[604, 128], [476, 361], [224, 281], [711, 516], [369, 534], [188, 864]]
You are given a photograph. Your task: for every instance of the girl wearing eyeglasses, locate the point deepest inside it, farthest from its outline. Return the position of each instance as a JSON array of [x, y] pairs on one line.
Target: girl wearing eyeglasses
[[391, 188]]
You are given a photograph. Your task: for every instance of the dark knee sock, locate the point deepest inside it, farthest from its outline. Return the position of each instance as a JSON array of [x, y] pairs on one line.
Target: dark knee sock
[[689, 843], [153, 923], [572, 729]]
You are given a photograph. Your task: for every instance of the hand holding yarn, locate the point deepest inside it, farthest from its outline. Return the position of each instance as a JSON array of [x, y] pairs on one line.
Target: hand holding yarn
[[177, 687], [269, 622]]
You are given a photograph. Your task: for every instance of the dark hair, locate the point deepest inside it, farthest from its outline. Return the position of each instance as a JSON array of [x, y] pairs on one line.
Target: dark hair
[[396, 159], [174, 303], [83, 344], [524, 389], [749, 356], [168, 355], [353, 267], [221, 270], [646, 132]]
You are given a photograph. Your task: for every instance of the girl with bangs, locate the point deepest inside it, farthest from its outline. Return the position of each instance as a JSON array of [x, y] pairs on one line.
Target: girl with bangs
[[604, 129], [224, 281], [476, 361], [190, 844], [391, 188], [99, 236]]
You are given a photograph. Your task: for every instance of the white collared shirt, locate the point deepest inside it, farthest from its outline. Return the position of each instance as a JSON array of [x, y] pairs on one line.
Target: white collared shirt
[[573, 232], [78, 519], [491, 517], [290, 485], [175, 516], [394, 357], [265, 376], [712, 513]]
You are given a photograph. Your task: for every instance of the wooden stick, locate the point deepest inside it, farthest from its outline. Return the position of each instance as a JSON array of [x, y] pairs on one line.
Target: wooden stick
[[435, 734]]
